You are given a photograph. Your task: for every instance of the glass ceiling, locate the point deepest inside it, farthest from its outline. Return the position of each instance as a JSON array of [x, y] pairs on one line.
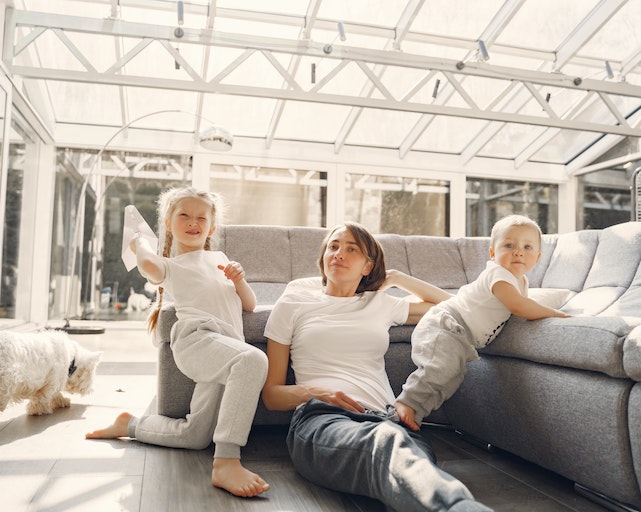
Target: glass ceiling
[[536, 82]]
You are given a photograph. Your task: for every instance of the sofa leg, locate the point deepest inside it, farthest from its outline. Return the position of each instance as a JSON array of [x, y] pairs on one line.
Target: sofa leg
[[483, 445], [602, 499]]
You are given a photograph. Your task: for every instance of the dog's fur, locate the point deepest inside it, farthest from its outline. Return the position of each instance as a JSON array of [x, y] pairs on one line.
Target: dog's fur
[[38, 366], [138, 302]]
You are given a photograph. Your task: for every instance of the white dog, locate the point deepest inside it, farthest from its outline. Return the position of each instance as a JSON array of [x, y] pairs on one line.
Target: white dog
[[38, 366], [138, 302]]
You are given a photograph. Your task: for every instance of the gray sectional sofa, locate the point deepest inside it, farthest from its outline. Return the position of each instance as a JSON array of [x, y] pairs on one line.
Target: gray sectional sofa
[[562, 393]]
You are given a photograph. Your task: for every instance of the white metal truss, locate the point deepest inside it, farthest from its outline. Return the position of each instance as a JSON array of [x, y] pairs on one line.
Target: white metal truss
[[521, 86]]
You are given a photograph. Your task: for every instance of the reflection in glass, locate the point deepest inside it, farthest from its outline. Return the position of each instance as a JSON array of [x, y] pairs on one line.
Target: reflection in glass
[[270, 196], [121, 179], [605, 197], [9, 287], [394, 204], [490, 200]]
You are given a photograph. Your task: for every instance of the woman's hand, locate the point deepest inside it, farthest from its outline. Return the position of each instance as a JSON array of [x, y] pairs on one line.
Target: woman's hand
[[336, 398]]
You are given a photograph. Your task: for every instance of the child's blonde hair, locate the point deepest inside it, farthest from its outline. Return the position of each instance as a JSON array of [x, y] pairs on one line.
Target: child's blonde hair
[[513, 220], [167, 202]]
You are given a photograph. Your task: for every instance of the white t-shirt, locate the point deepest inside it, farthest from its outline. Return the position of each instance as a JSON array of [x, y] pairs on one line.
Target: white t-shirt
[[483, 313], [339, 342], [201, 290]]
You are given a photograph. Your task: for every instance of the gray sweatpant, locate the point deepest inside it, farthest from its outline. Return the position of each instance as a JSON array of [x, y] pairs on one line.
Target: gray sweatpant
[[441, 349], [229, 376]]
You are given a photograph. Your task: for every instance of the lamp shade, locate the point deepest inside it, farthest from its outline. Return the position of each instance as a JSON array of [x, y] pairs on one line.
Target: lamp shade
[[216, 138]]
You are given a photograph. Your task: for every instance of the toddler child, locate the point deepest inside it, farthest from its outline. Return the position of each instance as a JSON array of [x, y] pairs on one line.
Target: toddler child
[[449, 334]]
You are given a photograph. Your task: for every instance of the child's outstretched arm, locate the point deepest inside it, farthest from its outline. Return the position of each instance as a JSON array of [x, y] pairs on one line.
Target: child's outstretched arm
[[236, 274], [149, 263], [427, 293], [523, 306]]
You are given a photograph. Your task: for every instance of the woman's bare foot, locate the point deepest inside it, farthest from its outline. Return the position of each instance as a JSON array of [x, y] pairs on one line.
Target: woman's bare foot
[[118, 428], [229, 474]]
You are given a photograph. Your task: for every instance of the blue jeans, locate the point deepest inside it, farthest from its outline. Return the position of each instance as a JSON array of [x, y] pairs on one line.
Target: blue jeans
[[370, 455]]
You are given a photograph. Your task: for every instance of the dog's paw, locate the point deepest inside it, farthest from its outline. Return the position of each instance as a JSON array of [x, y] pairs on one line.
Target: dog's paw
[[38, 409], [59, 401]]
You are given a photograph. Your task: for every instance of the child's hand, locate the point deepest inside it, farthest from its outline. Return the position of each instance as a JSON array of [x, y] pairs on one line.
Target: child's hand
[[406, 415], [233, 271]]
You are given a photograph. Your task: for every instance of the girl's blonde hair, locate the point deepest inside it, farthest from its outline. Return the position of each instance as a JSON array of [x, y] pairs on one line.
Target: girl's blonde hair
[[167, 202]]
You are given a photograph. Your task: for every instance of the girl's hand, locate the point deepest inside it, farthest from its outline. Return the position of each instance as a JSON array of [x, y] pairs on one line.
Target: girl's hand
[[233, 271], [132, 242]]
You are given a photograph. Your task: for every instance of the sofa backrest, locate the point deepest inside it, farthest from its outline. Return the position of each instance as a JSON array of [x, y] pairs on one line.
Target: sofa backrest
[[601, 266], [272, 256]]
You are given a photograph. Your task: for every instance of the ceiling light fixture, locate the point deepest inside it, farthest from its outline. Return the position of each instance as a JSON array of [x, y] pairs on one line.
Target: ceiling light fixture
[[178, 31], [216, 138], [435, 91], [608, 70], [484, 56]]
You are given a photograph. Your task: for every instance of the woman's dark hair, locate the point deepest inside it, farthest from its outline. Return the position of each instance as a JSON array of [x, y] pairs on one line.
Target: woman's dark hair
[[371, 249]]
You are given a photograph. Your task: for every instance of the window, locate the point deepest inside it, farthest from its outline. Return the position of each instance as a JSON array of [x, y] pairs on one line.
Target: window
[[120, 179], [270, 196], [396, 204], [490, 200], [605, 198]]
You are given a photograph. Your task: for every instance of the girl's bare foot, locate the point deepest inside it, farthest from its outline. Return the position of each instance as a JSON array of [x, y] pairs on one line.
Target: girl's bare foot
[[118, 428], [230, 475]]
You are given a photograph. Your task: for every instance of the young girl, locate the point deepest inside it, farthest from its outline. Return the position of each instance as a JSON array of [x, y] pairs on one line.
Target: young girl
[[210, 293]]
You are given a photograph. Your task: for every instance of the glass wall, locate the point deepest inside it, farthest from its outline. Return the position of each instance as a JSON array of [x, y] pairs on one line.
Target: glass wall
[[270, 196], [605, 197], [397, 204], [13, 283], [117, 180], [489, 200]]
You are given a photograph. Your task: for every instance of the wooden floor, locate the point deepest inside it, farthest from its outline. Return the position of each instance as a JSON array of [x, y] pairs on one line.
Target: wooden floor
[[47, 465]]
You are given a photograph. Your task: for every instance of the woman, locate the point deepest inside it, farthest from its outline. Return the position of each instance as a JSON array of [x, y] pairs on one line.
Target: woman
[[345, 433]]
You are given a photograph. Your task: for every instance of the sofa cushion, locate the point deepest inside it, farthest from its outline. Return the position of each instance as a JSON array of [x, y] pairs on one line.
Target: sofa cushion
[[571, 260], [632, 355], [585, 342], [436, 260], [474, 251], [263, 252], [395, 251], [254, 324], [304, 246], [553, 298], [535, 276], [267, 293]]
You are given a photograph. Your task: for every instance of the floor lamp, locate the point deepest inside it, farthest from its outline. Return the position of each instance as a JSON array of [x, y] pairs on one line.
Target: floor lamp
[[214, 138]]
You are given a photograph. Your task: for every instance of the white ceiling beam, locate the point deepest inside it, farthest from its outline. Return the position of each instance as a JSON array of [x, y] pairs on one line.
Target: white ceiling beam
[[335, 99], [312, 49], [566, 51], [590, 25], [305, 33], [489, 35], [402, 27]]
